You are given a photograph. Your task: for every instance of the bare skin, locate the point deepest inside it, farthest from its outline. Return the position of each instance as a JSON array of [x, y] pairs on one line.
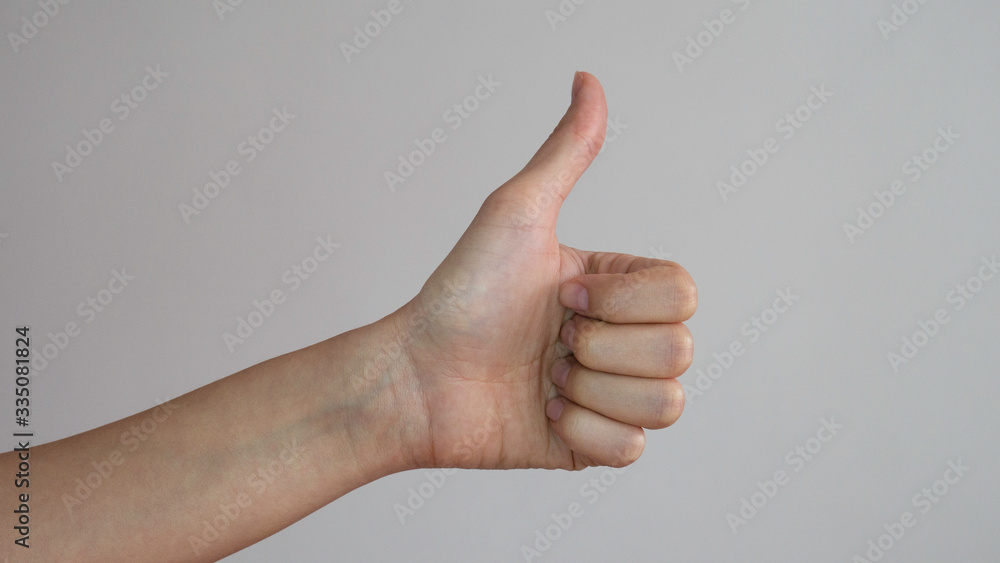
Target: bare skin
[[495, 364]]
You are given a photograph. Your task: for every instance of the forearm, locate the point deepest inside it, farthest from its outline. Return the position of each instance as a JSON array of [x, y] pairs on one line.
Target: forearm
[[223, 466]]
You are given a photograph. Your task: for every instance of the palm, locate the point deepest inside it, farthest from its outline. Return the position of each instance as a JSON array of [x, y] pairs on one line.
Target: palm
[[492, 334]]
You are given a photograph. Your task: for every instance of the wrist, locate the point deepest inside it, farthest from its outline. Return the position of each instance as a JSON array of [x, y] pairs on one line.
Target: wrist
[[371, 400]]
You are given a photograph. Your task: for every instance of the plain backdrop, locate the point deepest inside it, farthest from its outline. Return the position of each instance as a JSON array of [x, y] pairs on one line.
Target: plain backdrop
[[691, 89]]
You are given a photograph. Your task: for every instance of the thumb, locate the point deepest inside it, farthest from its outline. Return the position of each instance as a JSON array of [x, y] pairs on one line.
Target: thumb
[[550, 175]]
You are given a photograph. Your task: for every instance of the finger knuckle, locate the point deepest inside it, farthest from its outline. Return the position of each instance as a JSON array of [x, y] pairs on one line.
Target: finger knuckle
[[666, 405], [611, 304], [685, 292], [585, 340], [680, 351], [628, 449], [588, 144]]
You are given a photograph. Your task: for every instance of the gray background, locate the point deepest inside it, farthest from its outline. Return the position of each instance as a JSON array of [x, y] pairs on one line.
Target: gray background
[[651, 192]]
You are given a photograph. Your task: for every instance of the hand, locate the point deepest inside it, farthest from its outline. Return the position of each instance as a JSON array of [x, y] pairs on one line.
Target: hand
[[517, 352], [526, 353]]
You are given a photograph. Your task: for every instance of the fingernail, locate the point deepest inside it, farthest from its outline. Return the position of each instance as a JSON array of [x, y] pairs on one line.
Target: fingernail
[[568, 331], [554, 409], [577, 84], [560, 372], [574, 296]]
